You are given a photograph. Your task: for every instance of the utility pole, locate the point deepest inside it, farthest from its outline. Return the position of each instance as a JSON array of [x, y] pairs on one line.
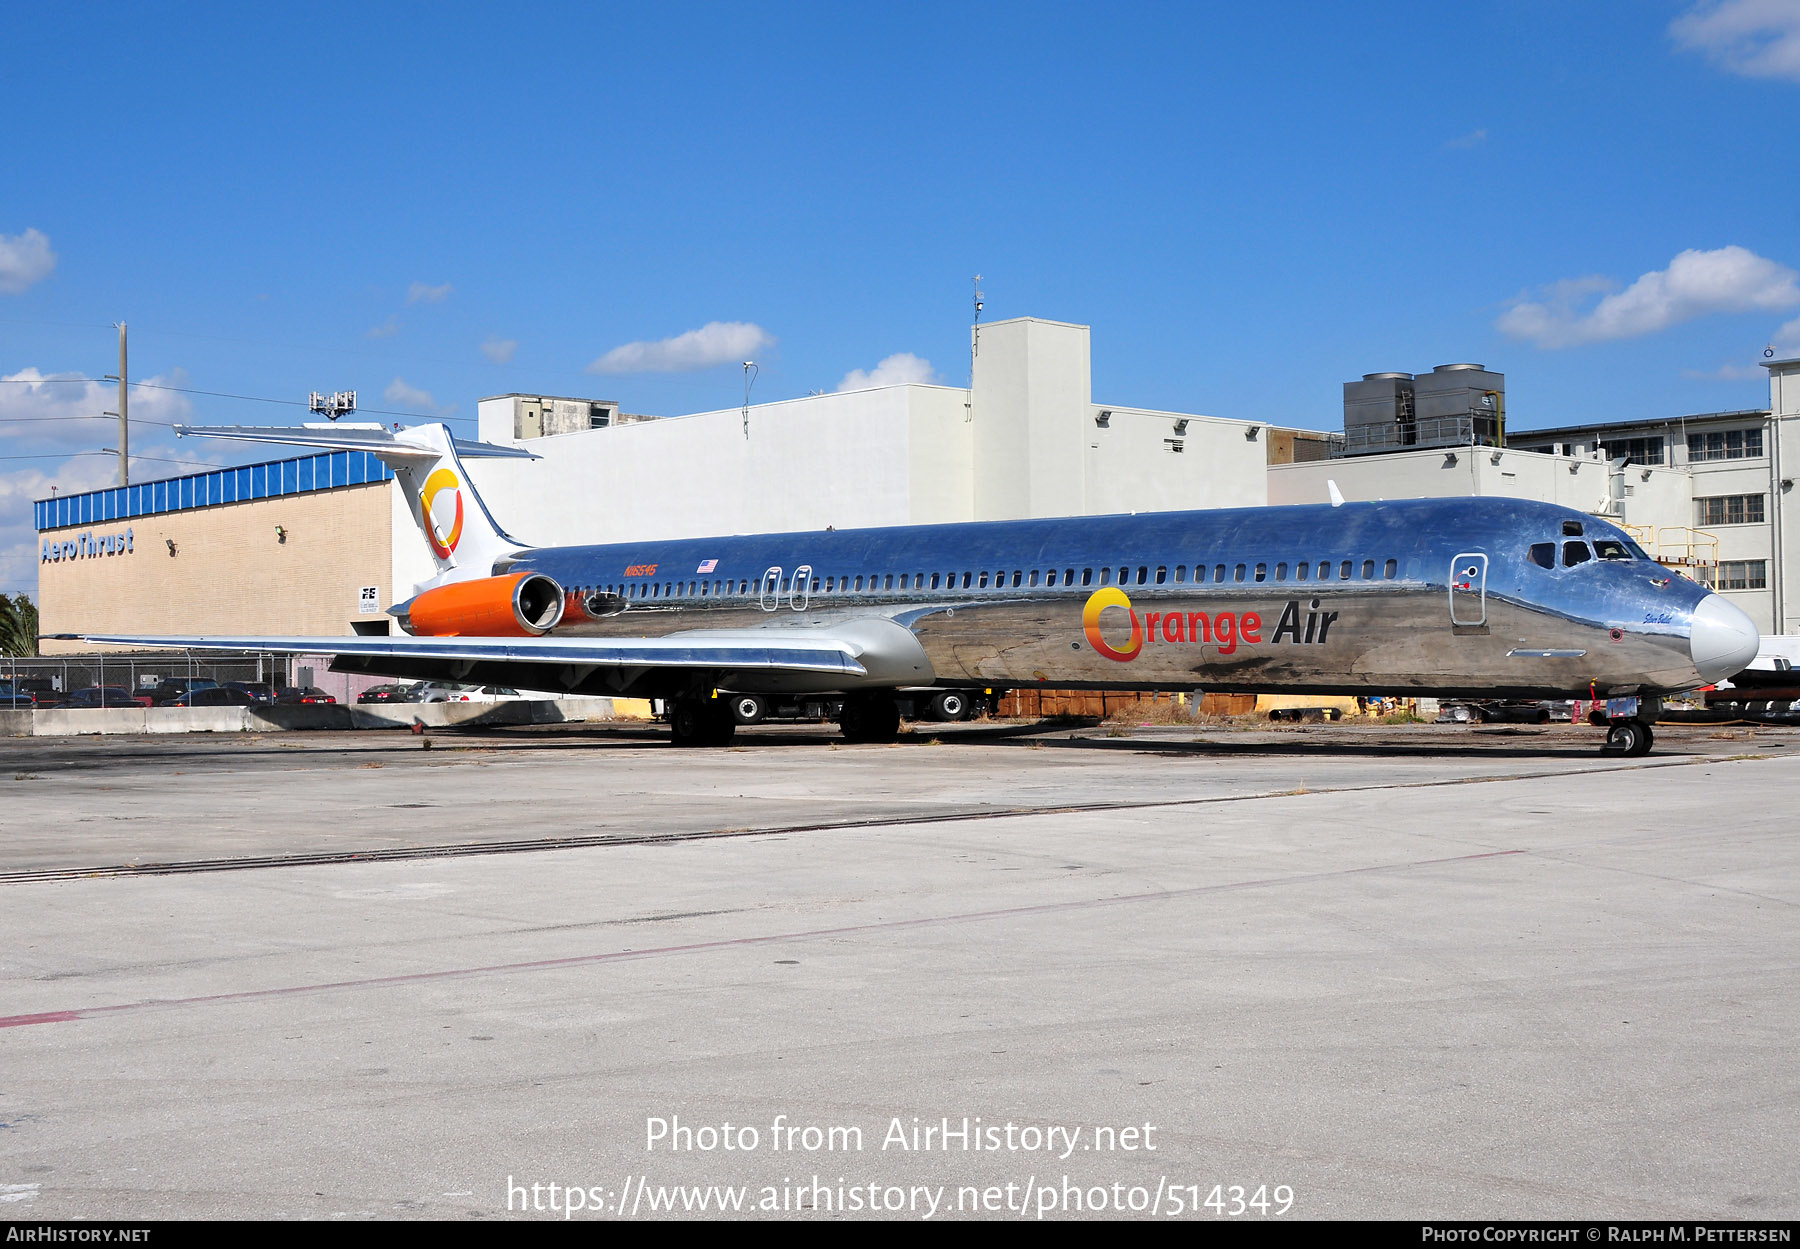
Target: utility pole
[[124, 417]]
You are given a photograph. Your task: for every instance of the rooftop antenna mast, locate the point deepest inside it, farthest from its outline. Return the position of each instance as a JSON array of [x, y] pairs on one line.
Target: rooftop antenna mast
[[974, 352], [750, 372]]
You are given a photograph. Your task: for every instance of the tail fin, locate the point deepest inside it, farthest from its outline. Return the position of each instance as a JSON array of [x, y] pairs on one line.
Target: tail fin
[[462, 535]]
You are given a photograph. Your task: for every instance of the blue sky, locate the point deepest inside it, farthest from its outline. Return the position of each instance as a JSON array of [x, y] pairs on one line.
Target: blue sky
[[432, 203]]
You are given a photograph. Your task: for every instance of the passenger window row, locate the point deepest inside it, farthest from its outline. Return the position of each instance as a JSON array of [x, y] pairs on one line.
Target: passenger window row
[[1142, 574]]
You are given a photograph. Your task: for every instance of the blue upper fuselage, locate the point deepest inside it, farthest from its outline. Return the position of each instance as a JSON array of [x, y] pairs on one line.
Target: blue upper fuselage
[[1410, 542]]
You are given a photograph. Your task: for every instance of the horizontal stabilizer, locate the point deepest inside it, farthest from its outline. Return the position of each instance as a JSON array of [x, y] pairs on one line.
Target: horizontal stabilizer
[[393, 449]]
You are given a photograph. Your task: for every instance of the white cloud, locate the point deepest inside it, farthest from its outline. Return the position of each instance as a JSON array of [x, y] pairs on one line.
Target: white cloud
[[49, 413], [411, 397], [44, 415], [386, 329], [1475, 138], [897, 369], [1787, 340], [1755, 38], [717, 342], [18, 530], [499, 350], [25, 259], [420, 293], [1696, 283]]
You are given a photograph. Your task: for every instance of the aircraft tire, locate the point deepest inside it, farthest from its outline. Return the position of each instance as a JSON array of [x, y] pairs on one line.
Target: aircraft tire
[[687, 724], [950, 705], [1628, 739], [748, 709], [701, 722], [870, 719]]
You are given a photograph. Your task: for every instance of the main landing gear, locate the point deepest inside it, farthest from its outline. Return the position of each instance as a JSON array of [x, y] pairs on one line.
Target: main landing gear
[[1628, 739], [870, 718], [702, 722]]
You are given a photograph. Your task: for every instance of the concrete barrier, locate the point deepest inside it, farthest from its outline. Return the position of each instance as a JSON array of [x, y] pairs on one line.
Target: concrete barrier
[[54, 722]]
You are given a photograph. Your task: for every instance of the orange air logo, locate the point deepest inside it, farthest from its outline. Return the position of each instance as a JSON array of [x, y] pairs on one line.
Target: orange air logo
[[1306, 626], [442, 503]]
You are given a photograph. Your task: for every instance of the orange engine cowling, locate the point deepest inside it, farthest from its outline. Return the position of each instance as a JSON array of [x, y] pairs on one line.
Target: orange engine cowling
[[524, 604]]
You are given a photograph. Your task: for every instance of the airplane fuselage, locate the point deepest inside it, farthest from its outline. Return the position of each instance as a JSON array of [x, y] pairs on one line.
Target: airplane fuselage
[[1454, 596]]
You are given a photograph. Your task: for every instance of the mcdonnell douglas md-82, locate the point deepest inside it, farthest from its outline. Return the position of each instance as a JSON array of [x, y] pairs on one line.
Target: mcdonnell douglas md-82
[[1490, 597]]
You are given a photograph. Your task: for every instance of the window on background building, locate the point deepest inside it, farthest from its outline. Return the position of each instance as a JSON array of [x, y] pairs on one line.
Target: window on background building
[[1729, 509], [1728, 444], [1743, 574], [1646, 451]]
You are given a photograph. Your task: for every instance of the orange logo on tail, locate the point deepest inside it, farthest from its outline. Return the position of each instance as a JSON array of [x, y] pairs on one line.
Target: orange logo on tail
[[1099, 601], [443, 479]]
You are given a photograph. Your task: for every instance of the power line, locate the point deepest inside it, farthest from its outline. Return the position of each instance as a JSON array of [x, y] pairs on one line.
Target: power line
[[148, 459], [220, 394], [24, 420]]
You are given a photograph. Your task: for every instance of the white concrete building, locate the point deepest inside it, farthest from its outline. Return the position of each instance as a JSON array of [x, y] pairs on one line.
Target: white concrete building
[[1029, 440]]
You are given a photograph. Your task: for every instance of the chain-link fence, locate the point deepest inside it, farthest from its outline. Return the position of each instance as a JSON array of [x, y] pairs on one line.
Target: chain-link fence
[[137, 670]]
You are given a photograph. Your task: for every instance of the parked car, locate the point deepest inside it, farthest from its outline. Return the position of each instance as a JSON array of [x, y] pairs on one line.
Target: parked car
[[216, 696], [392, 693], [310, 695], [10, 697], [172, 688], [451, 692], [259, 691], [101, 696]]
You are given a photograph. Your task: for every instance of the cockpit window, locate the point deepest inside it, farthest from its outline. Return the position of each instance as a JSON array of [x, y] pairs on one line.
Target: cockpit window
[[1576, 553], [1571, 529], [1543, 554], [1611, 548]]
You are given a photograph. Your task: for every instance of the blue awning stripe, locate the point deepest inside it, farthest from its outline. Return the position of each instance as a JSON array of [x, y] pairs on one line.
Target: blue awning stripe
[[300, 475]]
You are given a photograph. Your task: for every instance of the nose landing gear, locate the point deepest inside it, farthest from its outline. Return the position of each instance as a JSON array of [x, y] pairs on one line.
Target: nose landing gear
[[1628, 739], [1628, 721]]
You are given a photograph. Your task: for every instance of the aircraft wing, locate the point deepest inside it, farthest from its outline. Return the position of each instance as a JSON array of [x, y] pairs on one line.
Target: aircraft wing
[[847, 656]]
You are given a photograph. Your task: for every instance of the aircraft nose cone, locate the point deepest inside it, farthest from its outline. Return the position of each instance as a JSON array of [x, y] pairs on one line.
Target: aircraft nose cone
[[1723, 640]]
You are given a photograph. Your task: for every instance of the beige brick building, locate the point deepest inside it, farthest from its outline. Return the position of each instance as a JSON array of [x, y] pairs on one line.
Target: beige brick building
[[295, 563]]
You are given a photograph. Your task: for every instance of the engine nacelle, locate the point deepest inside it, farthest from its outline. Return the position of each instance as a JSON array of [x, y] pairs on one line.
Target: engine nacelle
[[525, 604]]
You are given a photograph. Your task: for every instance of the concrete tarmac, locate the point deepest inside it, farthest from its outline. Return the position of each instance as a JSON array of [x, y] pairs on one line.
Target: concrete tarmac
[[1418, 972]]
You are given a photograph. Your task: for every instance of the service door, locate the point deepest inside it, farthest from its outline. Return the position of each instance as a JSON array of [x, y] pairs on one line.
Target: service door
[[1468, 589]]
